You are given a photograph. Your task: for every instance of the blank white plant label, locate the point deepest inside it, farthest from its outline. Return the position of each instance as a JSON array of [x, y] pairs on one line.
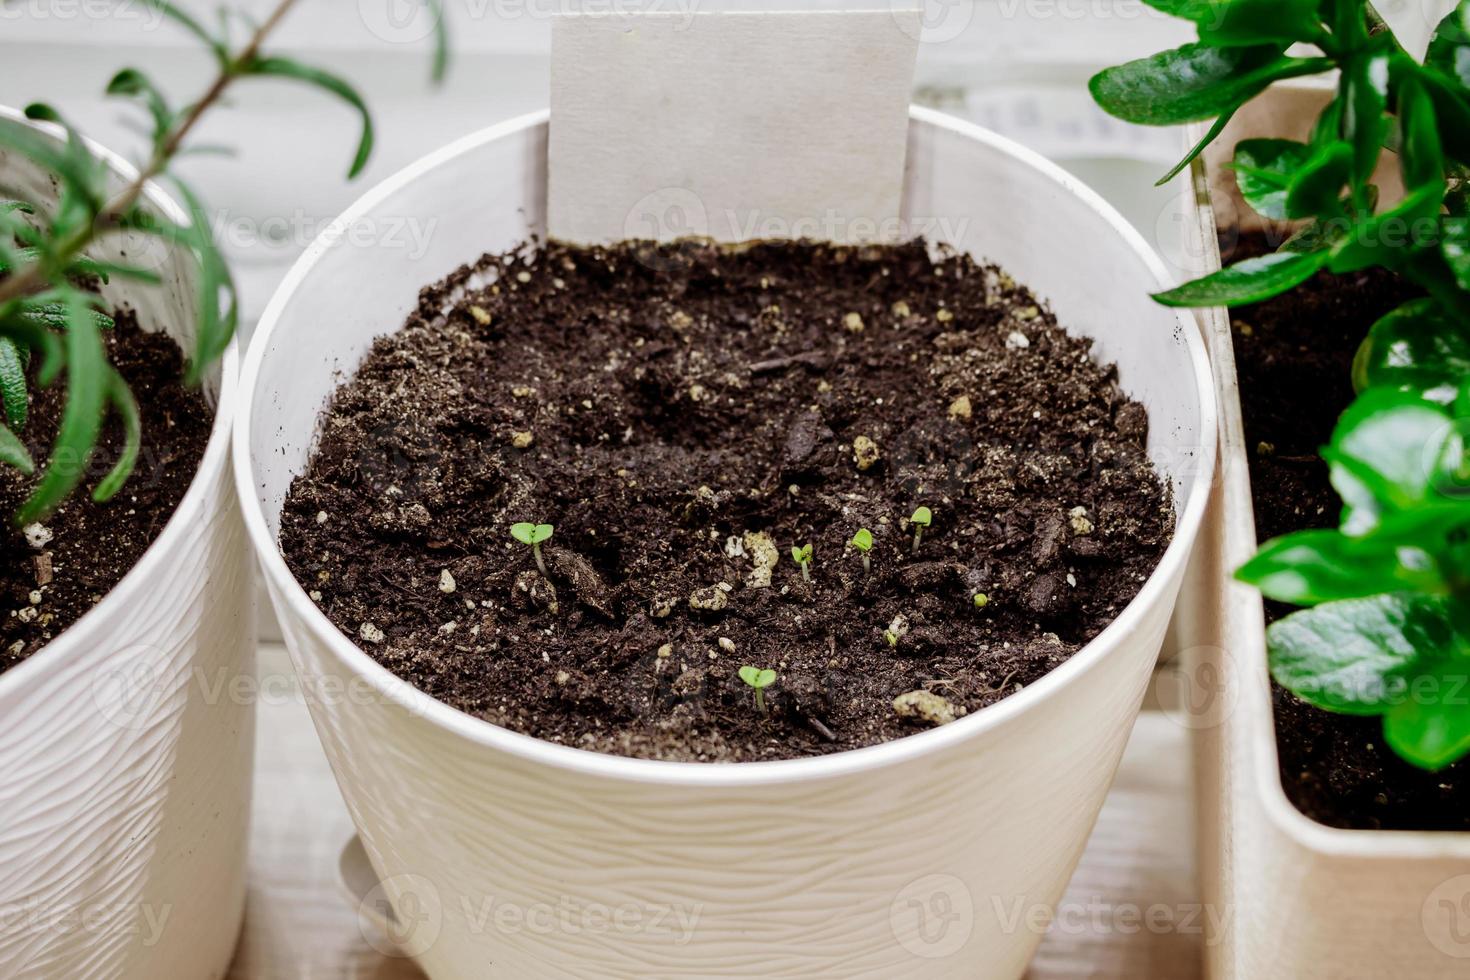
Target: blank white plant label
[[732, 126]]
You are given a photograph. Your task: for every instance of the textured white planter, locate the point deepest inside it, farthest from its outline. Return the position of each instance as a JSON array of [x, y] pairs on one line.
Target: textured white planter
[[1299, 899], [125, 746], [929, 856]]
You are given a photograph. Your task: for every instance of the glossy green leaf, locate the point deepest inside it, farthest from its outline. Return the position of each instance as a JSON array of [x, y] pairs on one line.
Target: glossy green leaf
[[1194, 82], [1310, 567], [1449, 47], [1455, 247], [1263, 169], [14, 394], [1416, 346], [288, 68], [81, 418], [13, 452], [1430, 727], [1364, 95], [1355, 655], [1249, 281], [122, 401], [1384, 453], [1236, 22], [1316, 187], [1216, 128], [1421, 156], [1452, 109], [1388, 237]]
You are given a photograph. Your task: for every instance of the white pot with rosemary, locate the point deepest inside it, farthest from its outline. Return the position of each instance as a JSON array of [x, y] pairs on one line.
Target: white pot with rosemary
[[127, 660]]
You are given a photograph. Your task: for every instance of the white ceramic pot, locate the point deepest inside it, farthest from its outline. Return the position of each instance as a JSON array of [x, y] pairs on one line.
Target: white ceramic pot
[[928, 856], [125, 746], [1297, 899]]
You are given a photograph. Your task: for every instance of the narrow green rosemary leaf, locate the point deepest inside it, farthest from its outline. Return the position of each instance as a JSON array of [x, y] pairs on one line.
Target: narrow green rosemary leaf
[[13, 389], [121, 398], [288, 68], [186, 20], [13, 452], [81, 418]]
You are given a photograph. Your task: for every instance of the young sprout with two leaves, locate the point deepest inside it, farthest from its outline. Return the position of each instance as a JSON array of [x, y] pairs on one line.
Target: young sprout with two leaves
[[803, 558], [47, 310], [533, 535], [760, 680], [1387, 628], [921, 519], [863, 542]]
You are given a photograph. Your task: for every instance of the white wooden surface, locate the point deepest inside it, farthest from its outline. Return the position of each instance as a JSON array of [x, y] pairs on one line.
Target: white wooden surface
[[1130, 913]]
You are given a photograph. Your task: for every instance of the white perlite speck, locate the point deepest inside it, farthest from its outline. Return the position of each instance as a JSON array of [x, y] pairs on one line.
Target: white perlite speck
[[37, 535], [371, 634], [727, 644], [446, 581], [1016, 340]]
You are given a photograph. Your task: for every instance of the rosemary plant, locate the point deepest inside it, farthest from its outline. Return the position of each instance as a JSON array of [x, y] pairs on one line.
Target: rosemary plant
[[47, 309]]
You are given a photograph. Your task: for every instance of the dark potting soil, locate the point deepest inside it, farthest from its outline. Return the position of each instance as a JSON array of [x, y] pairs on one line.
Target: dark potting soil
[[1294, 356], [53, 573], [684, 415]]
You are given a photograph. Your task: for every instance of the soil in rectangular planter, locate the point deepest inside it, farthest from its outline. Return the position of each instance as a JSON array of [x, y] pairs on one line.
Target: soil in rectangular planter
[[57, 572], [684, 415], [1293, 355]]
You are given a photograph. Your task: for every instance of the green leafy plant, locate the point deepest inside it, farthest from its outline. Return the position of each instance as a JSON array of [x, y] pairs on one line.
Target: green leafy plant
[[1387, 628], [760, 680], [922, 518], [863, 542], [803, 558], [533, 535], [47, 309]]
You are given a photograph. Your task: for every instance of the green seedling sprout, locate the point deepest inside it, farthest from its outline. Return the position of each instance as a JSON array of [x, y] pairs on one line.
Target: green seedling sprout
[[863, 542], [533, 535], [921, 519], [760, 680], [981, 600], [803, 557], [891, 637]]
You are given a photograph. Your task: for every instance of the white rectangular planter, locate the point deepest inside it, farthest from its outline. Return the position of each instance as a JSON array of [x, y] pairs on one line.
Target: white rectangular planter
[[907, 859], [1300, 899], [125, 743]]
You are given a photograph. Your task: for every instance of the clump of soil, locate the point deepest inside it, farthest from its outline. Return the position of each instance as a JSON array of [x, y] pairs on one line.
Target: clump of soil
[[1294, 357], [684, 415], [51, 574]]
